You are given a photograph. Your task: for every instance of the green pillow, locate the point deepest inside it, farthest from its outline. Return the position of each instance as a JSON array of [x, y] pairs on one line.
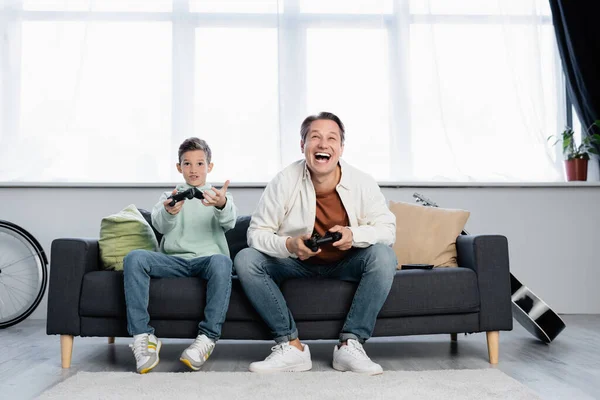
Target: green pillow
[[121, 233]]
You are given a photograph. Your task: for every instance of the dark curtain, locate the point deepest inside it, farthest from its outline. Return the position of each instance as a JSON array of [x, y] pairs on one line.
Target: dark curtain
[[577, 28]]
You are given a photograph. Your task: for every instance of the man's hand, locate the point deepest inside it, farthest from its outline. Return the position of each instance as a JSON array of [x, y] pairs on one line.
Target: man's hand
[[345, 243], [216, 197], [176, 208], [295, 245]]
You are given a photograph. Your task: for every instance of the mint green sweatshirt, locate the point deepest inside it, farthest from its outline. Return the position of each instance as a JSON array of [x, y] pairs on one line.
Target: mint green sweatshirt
[[197, 230]]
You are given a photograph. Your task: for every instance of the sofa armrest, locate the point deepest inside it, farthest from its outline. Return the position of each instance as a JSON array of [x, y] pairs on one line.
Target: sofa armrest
[[487, 255], [70, 260]]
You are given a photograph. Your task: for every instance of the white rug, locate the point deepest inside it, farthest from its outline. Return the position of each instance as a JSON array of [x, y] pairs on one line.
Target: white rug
[[443, 384]]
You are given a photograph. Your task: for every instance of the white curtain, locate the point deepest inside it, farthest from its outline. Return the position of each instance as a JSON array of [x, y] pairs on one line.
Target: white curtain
[[103, 91]]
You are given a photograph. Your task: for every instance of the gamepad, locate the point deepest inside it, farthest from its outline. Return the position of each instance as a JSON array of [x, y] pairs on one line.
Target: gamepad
[[316, 241], [186, 194]]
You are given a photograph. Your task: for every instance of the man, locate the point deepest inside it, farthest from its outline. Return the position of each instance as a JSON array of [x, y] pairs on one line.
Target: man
[[318, 194]]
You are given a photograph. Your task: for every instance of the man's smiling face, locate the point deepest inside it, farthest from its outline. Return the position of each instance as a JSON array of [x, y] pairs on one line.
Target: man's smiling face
[[323, 147]]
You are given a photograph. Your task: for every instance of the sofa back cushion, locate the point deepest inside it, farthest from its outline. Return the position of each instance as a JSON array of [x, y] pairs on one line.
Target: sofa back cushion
[[121, 233]]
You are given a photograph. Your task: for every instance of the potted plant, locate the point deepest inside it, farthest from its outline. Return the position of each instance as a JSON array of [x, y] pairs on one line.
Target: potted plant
[[576, 157]]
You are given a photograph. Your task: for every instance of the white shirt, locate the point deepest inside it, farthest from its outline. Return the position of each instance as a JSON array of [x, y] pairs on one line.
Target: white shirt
[[287, 208]]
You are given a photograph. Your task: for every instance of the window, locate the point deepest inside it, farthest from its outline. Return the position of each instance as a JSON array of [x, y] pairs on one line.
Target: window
[[429, 90]]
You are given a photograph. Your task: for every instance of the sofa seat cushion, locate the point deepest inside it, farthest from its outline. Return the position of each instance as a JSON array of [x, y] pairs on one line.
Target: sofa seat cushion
[[414, 292], [103, 295]]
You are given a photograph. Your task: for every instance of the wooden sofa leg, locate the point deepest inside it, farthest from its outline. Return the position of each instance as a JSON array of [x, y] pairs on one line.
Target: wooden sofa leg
[[453, 337], [492, 342], [66, 350], [111, 340]]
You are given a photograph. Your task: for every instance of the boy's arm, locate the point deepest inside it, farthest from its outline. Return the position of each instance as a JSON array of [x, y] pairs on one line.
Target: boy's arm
[[228, 215], [161, 219]]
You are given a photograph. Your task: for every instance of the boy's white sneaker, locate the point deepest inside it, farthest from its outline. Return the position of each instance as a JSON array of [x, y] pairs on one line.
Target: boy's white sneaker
[[284, 358], [146, 348], [198, 352], [352, 357]]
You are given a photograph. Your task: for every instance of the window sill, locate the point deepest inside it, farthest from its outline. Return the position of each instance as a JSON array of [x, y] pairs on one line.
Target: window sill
[[261, 185]]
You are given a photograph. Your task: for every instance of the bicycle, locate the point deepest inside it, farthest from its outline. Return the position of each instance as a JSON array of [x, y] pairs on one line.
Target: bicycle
[[23, 274]]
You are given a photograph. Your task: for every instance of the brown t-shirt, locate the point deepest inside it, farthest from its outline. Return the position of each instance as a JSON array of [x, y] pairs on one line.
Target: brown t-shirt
[[330, 212]]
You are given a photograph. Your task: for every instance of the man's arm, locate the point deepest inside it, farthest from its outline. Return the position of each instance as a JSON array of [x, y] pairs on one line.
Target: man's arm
[[379, 223], [266, 220]]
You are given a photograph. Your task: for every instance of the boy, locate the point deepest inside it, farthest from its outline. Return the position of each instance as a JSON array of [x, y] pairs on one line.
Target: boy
[[193, 244]]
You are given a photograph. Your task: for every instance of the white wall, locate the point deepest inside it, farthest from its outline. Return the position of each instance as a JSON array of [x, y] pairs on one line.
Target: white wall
[[553, 231]]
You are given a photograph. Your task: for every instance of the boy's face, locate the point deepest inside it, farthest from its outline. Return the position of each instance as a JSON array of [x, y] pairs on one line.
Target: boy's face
[[194, 168]]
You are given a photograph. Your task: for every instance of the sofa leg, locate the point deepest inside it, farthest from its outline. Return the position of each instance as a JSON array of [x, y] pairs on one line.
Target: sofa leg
[[111, 340], [492, 342], [66, 350], [453, 337]]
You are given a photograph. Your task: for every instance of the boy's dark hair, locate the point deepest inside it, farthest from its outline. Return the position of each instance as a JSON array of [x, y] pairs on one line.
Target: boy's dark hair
[[194, 143], [322, 115]]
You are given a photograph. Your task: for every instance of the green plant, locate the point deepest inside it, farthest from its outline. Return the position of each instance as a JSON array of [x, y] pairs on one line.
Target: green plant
[[569, 147]]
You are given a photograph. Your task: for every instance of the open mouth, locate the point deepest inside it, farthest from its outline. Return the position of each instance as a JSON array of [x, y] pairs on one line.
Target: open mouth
[[322, 157]]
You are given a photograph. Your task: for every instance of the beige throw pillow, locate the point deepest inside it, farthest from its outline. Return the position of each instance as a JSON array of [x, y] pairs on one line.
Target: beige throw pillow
[[427, 235]]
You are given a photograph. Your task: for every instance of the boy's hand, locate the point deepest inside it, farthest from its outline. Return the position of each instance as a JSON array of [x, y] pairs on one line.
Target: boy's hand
[[216, 197], [176, 208]]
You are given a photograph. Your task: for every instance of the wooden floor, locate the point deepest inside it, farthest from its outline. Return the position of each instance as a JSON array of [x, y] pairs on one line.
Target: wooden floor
[[569, 368]]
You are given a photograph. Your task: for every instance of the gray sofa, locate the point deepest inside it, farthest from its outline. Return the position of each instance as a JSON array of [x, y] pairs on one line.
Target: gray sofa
[[84, 300]]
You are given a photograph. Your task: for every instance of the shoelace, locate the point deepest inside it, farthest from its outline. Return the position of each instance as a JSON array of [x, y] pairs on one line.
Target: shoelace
[[278, 350], [356, 349], [201, 346], [140, 348]]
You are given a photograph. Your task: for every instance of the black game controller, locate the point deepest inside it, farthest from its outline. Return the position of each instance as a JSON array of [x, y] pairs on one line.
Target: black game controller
[[186, 194], [316, 241]]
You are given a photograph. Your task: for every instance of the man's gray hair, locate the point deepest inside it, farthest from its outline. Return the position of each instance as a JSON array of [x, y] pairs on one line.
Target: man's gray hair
[[305, 127]]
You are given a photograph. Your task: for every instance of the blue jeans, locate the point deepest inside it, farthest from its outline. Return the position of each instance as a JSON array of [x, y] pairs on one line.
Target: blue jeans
[[141, 265], [372, 267]]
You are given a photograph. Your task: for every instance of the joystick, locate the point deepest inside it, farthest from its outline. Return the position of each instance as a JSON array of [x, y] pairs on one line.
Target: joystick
[[316, 241], [186, 194]]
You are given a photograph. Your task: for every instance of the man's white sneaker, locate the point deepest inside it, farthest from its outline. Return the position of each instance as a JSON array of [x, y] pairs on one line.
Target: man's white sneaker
[[145, 349], [198, 352], [284, 358], [352, 357]]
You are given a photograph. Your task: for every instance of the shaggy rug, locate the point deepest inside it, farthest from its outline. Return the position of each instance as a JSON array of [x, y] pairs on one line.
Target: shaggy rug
[[442, 384]]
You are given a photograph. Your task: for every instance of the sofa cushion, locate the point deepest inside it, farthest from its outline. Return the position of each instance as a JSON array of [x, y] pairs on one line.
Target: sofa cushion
[[427, 235], [170, 298], [414, 292], [121, 233], [236, 237]]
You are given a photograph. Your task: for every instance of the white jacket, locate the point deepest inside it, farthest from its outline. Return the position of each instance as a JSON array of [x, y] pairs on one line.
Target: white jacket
[[287, 208]]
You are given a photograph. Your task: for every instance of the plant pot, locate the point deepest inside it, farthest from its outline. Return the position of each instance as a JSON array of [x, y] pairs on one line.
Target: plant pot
[[576, 169]]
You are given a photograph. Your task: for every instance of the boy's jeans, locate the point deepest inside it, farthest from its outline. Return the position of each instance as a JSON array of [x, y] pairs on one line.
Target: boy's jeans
[[373, 267], [141, 265]]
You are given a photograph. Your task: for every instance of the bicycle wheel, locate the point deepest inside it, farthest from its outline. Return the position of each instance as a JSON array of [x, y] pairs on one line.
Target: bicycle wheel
[[23, 274]]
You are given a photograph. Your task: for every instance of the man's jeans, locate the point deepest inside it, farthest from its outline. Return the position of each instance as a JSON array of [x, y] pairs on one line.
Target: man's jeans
[[373, 267], [141, 265]]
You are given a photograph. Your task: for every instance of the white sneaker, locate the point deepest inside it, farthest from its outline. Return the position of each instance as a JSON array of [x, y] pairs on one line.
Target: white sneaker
[[352, 357], [145, 349], [198, 352], [284, 358]]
